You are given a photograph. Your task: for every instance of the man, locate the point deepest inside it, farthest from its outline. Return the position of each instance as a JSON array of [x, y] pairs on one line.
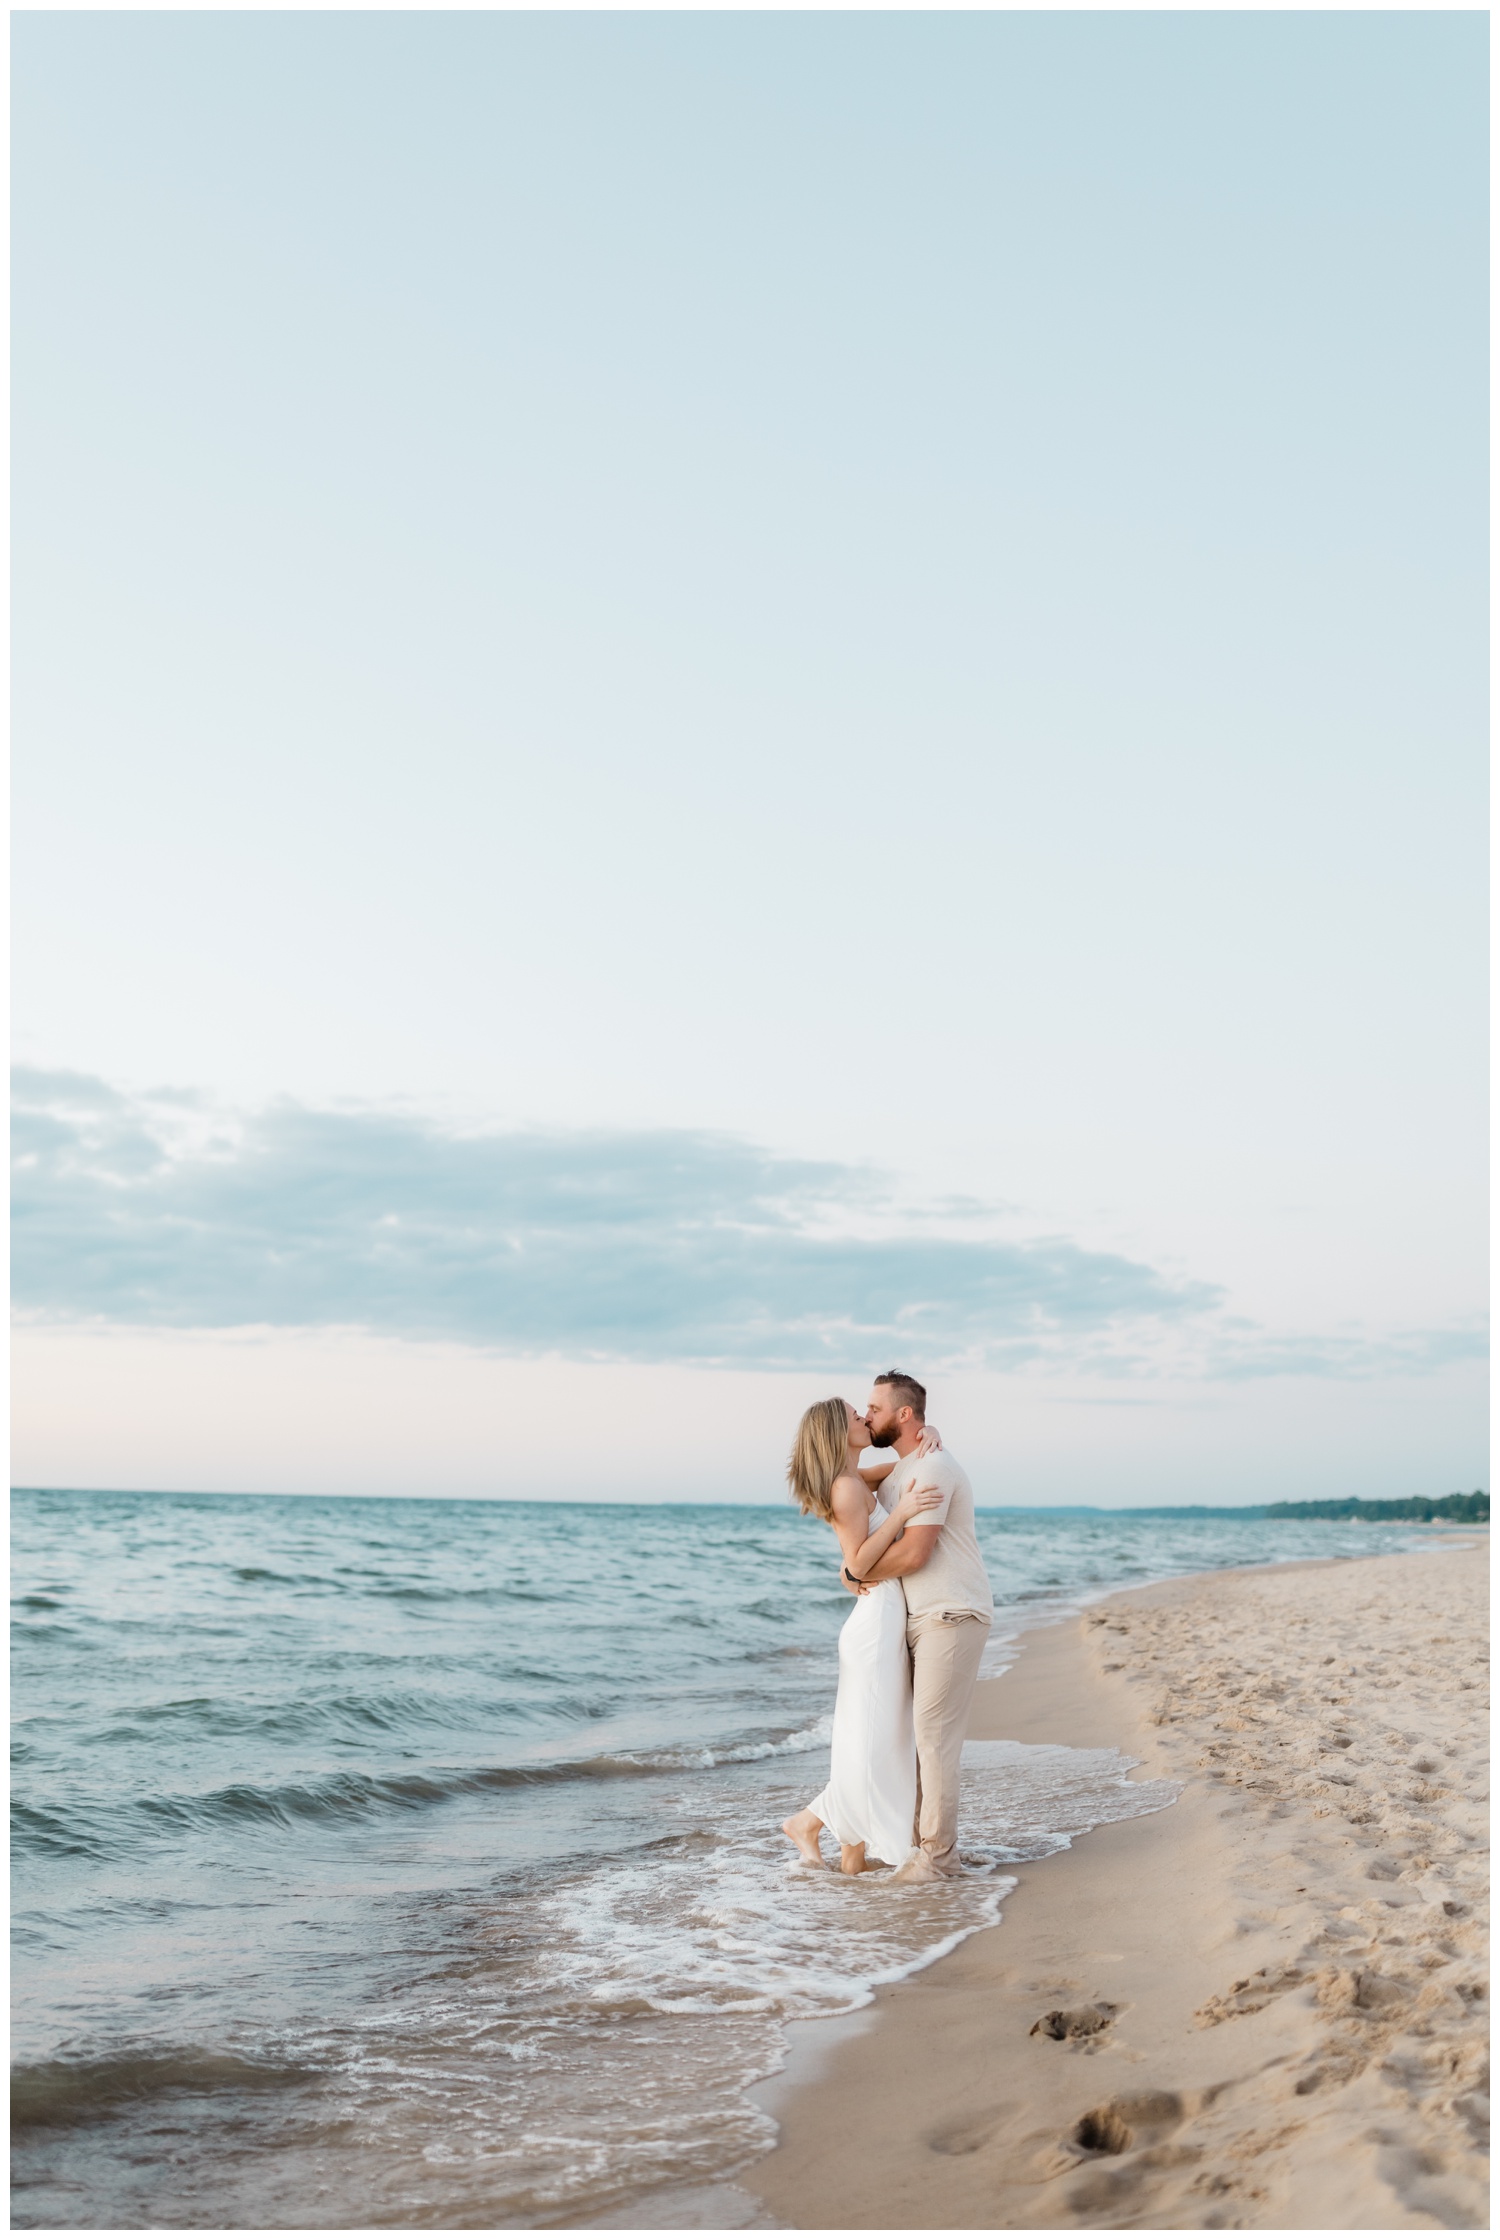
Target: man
[[949, 1612]]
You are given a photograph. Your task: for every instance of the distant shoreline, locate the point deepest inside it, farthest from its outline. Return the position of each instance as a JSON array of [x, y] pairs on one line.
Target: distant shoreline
[[1420, 1509]]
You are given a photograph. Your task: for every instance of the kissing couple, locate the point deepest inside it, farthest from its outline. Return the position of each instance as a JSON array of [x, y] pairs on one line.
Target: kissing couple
[[909, 1650]]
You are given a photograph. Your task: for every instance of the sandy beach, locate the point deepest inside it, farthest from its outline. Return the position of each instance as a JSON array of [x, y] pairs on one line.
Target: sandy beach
[[1264, 2008]]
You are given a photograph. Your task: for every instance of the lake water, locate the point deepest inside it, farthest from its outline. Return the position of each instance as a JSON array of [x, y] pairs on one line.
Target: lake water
[[417, 1862]]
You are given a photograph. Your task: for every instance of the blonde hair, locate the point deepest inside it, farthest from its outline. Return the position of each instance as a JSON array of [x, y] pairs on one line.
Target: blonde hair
[[820, 1453]]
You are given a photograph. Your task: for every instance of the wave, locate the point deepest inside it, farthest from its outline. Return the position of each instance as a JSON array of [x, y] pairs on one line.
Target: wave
[[353, 1715], [34, 1829], [500, 1591], [356, 1580], [63, 2093], [363, 1796]]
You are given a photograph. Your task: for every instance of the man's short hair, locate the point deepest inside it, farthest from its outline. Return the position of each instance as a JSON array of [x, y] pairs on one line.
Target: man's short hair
[[909, 1394]]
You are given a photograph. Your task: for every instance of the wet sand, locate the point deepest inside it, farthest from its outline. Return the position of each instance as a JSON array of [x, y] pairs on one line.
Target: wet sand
[[1264, 2008]]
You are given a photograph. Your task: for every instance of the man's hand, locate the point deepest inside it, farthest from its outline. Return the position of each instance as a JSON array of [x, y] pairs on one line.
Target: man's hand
[[852, 1586]]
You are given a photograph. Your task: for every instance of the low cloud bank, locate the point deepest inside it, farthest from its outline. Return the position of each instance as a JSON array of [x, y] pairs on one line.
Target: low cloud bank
[[663, 1246]]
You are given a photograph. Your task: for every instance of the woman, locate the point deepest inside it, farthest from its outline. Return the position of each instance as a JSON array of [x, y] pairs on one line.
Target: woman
[[870, 1802]]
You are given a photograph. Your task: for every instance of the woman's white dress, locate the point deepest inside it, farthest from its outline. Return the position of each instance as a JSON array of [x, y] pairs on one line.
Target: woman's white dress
[[871, 1797]]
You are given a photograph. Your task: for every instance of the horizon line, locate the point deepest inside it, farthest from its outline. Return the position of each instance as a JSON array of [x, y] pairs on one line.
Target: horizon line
[[571, 1501]]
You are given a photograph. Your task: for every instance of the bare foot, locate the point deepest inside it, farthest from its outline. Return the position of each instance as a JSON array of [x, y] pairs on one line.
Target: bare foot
[[918, 1868], [851, 1858], [803, 1829]]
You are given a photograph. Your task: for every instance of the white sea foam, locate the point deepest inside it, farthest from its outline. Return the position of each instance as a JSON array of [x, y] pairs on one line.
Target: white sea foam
[[680, 1964], [814, 1736]]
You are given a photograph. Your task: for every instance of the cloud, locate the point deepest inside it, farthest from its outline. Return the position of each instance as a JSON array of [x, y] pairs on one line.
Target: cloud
[[664, 1245], [667, 1245]]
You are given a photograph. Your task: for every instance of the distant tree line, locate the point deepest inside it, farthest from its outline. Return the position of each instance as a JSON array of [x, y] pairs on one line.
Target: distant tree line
[[1459, 1508]]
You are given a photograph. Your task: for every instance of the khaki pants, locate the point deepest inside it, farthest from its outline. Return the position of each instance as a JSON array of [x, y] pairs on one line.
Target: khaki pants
[[945, 1653]]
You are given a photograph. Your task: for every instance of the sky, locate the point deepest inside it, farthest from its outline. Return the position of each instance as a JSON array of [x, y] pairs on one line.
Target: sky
[[708, 702]]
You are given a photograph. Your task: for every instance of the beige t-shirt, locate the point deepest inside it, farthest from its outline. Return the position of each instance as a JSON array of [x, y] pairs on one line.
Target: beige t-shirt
[[953, 1577]]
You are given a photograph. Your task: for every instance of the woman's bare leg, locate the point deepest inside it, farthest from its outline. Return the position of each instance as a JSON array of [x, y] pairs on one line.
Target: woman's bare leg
[[804, 1829], [851, 1858]]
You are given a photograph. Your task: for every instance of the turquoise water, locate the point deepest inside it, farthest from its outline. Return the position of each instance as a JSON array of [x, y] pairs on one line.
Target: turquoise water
[[416, 1862]]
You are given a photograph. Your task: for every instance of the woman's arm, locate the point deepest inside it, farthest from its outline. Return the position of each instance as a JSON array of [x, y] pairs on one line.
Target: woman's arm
[[863, 1548]]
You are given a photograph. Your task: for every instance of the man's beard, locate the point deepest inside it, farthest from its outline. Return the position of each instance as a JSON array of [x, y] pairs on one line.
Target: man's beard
[[883, 1438]]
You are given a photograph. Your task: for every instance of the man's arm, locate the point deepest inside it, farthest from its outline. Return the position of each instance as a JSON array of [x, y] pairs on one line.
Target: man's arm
[[911, 1552]]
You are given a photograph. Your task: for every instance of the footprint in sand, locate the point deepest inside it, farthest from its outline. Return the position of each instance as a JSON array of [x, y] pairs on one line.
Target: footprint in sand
[[1075, 2022], [1249, 1995], [1137, 2125], [1130, 2120]]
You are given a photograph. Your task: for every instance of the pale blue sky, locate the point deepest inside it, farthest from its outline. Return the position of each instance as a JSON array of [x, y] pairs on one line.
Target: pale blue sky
[[859, 637]]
